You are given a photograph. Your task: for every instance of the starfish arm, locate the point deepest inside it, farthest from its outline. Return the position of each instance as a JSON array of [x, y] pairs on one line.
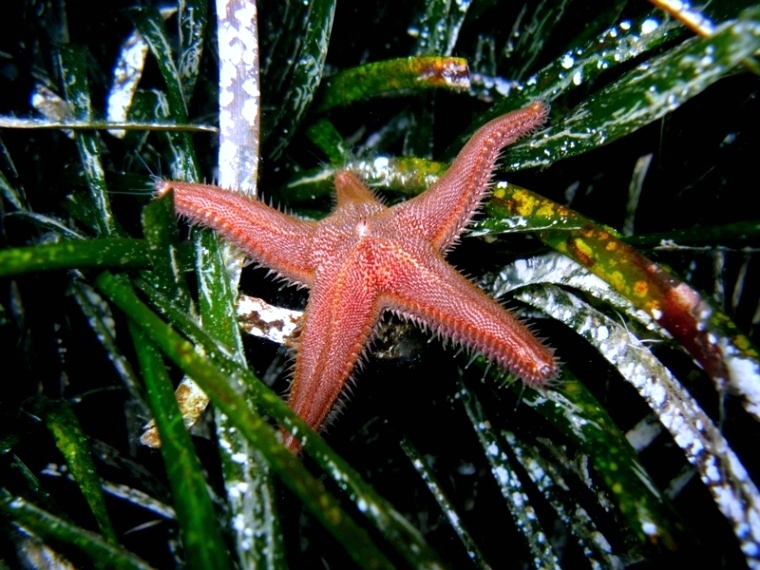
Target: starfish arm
[[432, 293], [340, 316], [442, 212], [268, 236], [348, 188]]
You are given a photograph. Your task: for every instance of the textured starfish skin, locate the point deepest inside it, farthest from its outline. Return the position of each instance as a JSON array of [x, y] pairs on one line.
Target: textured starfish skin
[[366, 258]]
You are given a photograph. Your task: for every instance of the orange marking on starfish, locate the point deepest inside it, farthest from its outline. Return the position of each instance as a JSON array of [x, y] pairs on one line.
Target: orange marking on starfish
[[366, 258]]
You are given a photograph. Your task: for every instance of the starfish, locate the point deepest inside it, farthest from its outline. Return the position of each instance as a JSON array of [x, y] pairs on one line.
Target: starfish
[[366, 258]]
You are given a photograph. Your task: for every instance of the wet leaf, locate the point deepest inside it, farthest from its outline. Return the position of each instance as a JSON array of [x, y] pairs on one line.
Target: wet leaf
[[102, 252], [47, 526], [394, 77], [72, 443], [97, 209], [643, 95], [711, 337], [200, 532], [304, 70], [512, 490]]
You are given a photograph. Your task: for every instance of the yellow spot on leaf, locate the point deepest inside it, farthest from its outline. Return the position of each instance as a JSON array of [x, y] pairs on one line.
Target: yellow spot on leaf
[[584, 248], [741, 342], [617, 280], [652, 307], [546, 210], [525, 203], [641, 288]]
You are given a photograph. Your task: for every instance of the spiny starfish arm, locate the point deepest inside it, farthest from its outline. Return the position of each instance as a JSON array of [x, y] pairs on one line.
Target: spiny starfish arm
[[443, 211], [340, 316], [435, 295], [268, 236], [348, 188]]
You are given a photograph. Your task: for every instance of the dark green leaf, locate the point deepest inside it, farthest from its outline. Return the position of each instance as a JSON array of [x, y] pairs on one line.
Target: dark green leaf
[[394, 77], [307, 68], [73, 444], [102, 252], [201, 535], [162, 237], [643, 95], [510, 485], [47, 526], [77, 91]]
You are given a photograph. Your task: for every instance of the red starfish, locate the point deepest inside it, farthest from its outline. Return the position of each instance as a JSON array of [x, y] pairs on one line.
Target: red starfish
[[366, 258]]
